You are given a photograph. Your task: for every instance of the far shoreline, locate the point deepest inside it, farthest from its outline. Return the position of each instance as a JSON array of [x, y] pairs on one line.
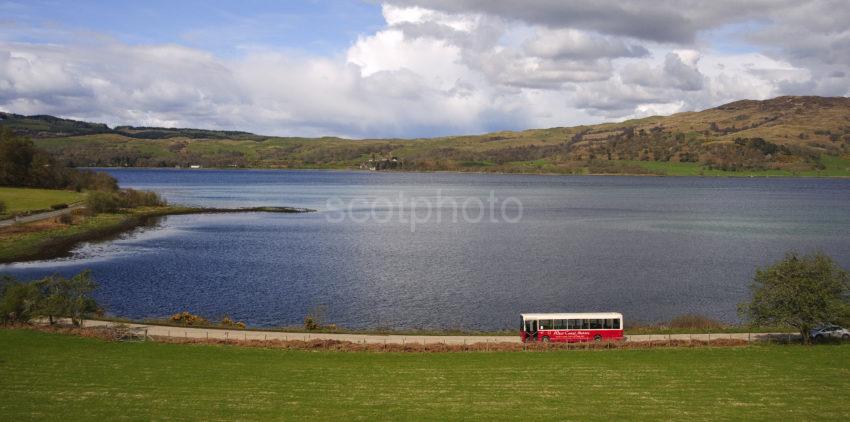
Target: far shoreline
[[500, 173]]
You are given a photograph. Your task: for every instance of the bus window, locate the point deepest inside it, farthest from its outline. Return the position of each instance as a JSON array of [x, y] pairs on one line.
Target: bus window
[[574, 324], [585, 324], [595, 324], [561, 324], [617, 323], [546, 324], [609, 323]]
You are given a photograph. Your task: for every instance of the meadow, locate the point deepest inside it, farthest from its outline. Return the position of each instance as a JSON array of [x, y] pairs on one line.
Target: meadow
[[20, 200], [62, 377]]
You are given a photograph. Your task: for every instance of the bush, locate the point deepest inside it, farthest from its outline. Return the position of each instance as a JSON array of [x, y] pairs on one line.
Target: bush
[[102, 202], [66, 219], [310, 323], [110, 202], [58, 206], [185, 318], [131, 198], [227, 322]]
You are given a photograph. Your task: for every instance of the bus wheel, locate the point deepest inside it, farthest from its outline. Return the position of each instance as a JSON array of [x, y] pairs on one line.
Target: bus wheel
[[545, 339], [597, 338]]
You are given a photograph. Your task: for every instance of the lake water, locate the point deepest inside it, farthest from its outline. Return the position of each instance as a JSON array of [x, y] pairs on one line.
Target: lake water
[[385, 249]]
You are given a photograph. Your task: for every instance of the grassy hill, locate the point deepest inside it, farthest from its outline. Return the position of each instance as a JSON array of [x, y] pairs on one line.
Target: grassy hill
[[781, 136], [61, 377]]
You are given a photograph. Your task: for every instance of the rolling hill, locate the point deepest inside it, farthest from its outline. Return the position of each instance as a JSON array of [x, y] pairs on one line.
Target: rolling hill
[[792, 135]]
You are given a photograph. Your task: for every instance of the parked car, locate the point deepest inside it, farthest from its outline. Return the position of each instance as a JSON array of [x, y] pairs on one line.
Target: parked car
[[830, 331]]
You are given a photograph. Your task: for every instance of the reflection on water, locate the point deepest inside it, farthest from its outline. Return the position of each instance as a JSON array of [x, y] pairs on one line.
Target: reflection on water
[[649, 247]]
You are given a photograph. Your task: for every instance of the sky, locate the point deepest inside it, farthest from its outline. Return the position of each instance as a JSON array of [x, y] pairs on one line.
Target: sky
[[411, 68]]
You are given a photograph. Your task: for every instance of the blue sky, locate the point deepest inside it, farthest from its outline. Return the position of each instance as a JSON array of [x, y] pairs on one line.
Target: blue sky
[[221, 27], [410, 68]]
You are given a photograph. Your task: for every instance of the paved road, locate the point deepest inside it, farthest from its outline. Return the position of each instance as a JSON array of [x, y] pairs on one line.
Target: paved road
[[222, 334], [40, 216]]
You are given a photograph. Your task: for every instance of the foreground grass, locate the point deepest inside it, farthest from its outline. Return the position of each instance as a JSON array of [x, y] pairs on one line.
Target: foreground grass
[[58, 377], [20, 200]]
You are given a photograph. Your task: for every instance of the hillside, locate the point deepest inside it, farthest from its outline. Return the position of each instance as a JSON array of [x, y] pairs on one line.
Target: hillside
[[784, 135]]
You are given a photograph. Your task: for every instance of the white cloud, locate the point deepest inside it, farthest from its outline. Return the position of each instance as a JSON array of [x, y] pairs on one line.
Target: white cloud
[[440, 68]]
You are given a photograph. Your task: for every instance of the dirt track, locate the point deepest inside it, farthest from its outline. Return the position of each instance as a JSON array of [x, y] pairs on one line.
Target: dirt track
[[224, 334]]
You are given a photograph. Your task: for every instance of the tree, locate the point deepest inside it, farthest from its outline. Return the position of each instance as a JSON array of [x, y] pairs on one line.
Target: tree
[[19, 302], [49, 297], [799, 291], [76, 291], [16, 155]]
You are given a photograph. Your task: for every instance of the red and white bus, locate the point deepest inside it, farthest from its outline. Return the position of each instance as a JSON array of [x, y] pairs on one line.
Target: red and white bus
[[572, 327]]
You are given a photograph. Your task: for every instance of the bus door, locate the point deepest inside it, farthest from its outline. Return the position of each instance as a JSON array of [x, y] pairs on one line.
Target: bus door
[[531, 329]]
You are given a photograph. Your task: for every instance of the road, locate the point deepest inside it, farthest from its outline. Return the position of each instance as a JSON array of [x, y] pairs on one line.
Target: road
[[223, 334], [40, 216]]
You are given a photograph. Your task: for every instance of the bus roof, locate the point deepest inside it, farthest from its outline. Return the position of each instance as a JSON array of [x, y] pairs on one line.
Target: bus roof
[[584, 315]]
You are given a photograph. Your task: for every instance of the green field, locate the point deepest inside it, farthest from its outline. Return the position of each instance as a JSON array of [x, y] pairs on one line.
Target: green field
[[23, 199], [833, 167], [58, 377]]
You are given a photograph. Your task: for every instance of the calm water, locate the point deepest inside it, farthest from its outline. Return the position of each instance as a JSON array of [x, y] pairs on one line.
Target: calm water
[[649, 247]]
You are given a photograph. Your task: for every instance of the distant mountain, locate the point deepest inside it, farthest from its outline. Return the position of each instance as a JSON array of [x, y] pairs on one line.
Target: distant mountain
[[43, 126], [780, 136]]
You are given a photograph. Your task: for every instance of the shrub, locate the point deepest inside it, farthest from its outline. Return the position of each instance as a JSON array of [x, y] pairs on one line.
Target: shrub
[[66, 219], [310, 323], [110, 202], [102, 202], [131, 198], [227, 322], [186, 318], [59, 206]]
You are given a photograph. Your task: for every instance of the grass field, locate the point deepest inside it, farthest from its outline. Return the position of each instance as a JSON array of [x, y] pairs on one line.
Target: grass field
[[59, 377], [23, 199], [833, 167]]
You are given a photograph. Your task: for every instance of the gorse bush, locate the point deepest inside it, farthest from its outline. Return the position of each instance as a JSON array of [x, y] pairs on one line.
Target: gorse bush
[[226, 321], [186, 318]]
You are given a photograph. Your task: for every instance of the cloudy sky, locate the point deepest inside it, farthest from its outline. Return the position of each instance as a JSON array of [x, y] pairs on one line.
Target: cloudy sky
[[410, 68]]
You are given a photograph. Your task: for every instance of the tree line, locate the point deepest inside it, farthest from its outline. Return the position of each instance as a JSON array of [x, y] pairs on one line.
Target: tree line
[[51, 298], [22, 164]]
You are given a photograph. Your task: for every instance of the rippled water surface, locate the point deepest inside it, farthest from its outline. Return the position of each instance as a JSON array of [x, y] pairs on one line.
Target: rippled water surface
[[649, 247]]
